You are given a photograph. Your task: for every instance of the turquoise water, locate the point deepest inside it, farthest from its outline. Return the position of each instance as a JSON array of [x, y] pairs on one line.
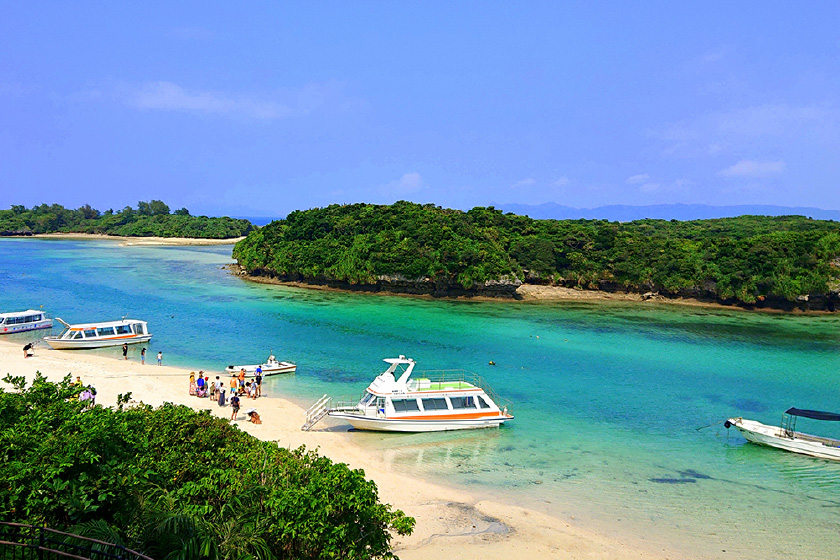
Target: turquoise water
[[618, 406]]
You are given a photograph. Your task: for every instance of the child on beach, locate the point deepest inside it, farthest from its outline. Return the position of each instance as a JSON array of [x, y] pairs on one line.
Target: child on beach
[[143, 357], [160, 358]]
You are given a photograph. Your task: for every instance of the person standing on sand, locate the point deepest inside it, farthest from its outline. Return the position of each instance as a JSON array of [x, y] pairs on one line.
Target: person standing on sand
[[242, 380], [258, 380], [160, 358], [143, 357], [234, 404], [26, 350], [125, 351]]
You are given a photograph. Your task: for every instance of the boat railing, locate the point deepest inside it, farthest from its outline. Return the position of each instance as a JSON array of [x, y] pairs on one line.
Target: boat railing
[[348, 404], [462, 376]]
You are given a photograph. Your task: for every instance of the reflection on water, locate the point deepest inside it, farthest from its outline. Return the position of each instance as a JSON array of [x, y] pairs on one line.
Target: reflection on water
[[618, 406]]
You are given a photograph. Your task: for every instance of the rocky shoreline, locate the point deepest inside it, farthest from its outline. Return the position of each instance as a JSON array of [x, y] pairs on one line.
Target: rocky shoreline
[[506, 289]]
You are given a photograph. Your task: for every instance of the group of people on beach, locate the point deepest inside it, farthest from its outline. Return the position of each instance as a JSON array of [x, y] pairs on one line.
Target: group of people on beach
[[203, 387]]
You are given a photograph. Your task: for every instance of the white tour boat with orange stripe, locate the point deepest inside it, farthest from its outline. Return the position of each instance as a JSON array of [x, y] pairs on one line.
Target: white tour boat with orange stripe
[[432, 402], [97, 335]]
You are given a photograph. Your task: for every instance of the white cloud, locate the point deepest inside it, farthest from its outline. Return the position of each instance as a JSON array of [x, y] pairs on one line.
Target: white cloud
[[524, 183], [636, 179], [409, 183], [167, 96], [722, 132], [753, 169], [562, 181]]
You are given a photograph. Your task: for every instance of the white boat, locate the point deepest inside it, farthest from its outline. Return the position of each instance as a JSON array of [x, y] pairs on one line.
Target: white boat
[[97, 335], [22, 321], [271, 367], [433, 402], [786, 437]]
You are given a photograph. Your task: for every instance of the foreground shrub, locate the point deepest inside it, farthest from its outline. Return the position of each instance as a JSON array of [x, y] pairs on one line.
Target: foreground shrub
[[174, 483]]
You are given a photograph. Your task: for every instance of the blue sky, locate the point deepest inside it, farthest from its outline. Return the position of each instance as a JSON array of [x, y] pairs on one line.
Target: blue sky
[[267, 107]]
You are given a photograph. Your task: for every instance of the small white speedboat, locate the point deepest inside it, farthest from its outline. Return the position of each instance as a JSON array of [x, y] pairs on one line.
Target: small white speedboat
[[432, 402], [98, 335], [271, 367], [786, 437]]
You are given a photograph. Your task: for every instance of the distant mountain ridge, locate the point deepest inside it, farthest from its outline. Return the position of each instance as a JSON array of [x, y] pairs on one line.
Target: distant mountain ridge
[[682, 212]]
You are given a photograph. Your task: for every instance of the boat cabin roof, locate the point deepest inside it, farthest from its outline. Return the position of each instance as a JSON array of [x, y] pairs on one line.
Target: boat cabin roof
[[814, 414], [397, 380], [81, 326], [21, 313]]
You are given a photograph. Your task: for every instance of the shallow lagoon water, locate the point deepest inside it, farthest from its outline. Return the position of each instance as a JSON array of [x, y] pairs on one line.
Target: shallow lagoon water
[[618, 406]]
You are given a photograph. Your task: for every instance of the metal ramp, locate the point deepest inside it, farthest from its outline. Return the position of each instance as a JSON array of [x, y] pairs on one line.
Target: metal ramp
[[316, 412]]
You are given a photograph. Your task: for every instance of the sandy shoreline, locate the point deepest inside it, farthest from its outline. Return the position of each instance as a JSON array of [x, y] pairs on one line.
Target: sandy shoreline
[[448, 519], [129, 241]]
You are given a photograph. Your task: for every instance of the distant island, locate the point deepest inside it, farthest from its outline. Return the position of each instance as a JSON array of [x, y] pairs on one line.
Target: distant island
[[683, 212], [149, 219], [753, 261]]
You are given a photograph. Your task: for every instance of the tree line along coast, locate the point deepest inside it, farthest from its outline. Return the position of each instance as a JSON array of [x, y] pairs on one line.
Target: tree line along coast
[[149, 219], [784, 262]]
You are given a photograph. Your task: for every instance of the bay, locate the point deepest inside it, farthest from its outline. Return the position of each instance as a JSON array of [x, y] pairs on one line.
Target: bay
[[619, 406]]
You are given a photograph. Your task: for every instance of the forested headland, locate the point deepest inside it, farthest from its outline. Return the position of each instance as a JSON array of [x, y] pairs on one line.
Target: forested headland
[[174, 483], [149, 219], [786, 261]]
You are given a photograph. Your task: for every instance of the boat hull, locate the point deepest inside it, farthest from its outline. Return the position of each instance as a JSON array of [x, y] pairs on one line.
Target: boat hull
[[773, 436], [58, 344], [282, 367], [375, 424], [12, 329]]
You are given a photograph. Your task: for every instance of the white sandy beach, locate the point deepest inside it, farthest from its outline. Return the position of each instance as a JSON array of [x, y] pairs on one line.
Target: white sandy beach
[[450, 522], [127, 241]]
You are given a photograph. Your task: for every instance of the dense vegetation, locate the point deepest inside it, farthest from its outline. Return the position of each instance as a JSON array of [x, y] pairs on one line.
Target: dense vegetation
[[174, 483], [149, 219], [747, 259]]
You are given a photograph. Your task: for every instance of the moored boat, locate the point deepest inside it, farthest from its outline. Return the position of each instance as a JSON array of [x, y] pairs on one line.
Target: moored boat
[[271, 366], [98, 335], [433, 402], [22, 321], [786, 437]]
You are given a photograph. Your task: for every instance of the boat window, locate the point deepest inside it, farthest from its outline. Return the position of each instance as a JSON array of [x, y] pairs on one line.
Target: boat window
[[2, 320], [462, 402], [90, 333], [482, 403], [77, 334], [435, 404], [139, 328], [105, 331], [123, 329], [405, 405], [367, 398]]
